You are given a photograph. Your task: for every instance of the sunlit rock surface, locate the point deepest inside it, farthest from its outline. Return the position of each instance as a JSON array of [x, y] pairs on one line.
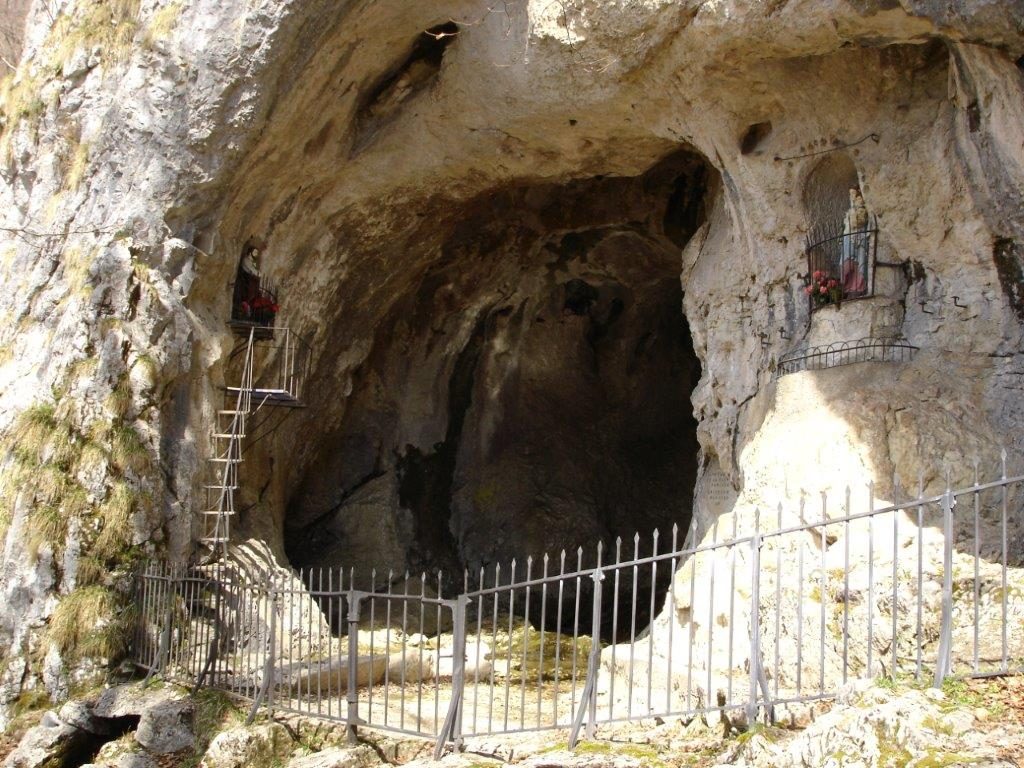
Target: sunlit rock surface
[[525, 248]]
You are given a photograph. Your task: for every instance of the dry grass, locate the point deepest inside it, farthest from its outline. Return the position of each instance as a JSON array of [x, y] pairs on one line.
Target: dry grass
[[115, 516], [46, 525], [161, 25], [90, 622], [92, 458], [109, 24], [74, 167], [91, 571], [20, 99], [77, 267], [31, 434], [119, 402], [49, 453], [127, 451]]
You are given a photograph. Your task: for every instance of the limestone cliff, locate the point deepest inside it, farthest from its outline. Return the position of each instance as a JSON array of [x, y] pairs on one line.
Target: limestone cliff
[[525, 241]]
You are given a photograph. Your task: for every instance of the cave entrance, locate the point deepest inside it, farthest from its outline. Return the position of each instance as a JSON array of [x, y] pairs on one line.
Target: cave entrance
[[529, 393]]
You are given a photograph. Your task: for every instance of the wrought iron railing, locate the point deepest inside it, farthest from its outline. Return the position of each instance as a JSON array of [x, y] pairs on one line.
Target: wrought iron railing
[[254, 302], [841, 265], [784, 616], [846, 353]]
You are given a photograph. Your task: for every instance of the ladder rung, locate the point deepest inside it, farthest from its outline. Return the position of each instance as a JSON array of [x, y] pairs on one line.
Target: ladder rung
[[217, 512], [228, 434], [220, 487], [231, 413], [225, 460]]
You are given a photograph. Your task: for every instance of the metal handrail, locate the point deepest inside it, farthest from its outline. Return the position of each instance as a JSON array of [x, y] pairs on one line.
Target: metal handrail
[[840, 353], [872, 230], [520, 689]]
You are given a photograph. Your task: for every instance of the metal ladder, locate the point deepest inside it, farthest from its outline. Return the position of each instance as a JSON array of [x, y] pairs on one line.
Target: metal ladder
[[226, 455]]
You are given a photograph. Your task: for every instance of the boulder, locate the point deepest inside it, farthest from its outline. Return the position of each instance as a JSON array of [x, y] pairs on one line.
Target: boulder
[[354, 757], [166, 727], [247, 747], [48, 744]]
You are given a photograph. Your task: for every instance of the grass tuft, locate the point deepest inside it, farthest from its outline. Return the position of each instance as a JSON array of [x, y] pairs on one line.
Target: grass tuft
[[109, 24], [119, 402], [46, 526], [127, 451], [161, 25], [115, 522], [90, 622], [74, 170]]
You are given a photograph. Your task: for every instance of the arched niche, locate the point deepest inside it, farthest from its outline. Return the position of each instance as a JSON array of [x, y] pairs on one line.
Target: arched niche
[[826, 194]]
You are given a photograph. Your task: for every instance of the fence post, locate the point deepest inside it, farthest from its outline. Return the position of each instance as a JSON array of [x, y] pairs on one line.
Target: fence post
[[588, 699], [755, 623], [213, 649], [942, 660], [164, 647], [266, 689], [452, 727], [352, 697]]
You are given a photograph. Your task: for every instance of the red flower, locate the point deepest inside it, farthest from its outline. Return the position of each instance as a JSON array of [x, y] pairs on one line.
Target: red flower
[[808, 289], [833, 283], [818, 274], [823, 289]]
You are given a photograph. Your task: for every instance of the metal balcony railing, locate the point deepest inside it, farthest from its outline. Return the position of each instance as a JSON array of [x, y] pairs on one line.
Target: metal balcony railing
[[841, 265], [846, 353]]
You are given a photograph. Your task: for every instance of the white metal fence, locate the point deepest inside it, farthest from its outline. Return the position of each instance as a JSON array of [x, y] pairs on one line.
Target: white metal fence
[[762, 619]]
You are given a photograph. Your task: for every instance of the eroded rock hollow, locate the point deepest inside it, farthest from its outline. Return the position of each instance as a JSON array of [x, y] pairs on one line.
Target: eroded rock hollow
[[528, 393], [549, 263]]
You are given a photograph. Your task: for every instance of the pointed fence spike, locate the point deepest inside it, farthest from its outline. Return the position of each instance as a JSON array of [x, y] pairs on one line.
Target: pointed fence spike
[[675, 529], [636, 537], [655, 534]]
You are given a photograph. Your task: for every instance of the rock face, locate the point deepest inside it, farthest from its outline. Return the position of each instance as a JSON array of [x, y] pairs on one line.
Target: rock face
[[524, 247]]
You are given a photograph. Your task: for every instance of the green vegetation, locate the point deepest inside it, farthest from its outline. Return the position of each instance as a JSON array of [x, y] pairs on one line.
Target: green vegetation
[[49, 461], [768, 732], [646, 752], [91, 622], [215, 711], [891, 754], [935, 758], [507, 654], [25, 713]]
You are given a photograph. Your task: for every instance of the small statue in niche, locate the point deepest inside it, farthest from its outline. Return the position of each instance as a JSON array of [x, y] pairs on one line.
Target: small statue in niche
[[855, 246], [253, 303]]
